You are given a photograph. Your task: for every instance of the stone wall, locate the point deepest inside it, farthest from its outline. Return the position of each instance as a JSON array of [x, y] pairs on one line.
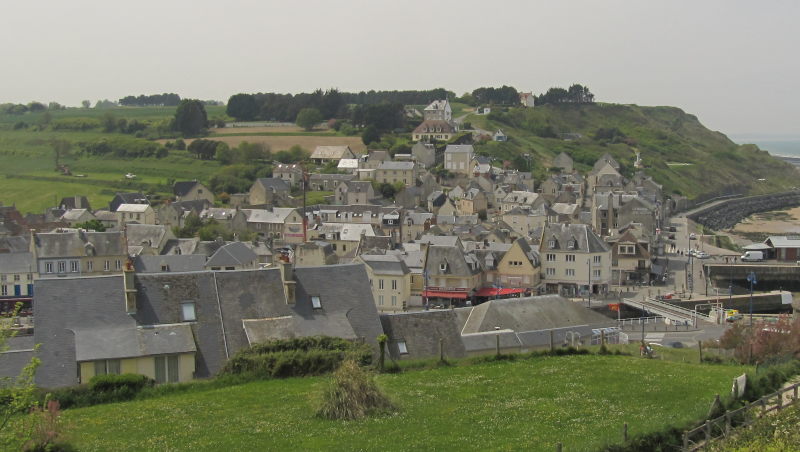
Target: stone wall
[[727, 214]]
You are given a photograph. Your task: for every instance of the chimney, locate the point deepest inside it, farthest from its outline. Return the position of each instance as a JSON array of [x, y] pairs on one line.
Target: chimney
[[130, 289], [287, 276]]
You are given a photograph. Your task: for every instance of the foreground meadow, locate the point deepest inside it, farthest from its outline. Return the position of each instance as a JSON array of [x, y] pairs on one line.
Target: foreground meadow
[[581, 401]]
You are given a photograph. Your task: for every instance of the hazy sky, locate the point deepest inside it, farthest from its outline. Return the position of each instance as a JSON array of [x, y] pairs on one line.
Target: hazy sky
[[735, 64]]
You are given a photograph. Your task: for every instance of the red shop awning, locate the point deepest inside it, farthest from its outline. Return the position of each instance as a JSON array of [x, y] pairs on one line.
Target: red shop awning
[[444, 294], [493, 291]]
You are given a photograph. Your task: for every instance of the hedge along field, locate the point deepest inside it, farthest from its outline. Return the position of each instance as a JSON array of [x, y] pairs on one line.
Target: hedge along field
[[581, 401]]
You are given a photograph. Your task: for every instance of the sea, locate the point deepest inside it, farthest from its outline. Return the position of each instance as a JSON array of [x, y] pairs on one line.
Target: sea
[[782, 146]]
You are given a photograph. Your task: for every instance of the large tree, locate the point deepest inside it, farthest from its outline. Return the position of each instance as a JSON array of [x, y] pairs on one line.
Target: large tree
[[243, 107], [307, 118], [190, 117]]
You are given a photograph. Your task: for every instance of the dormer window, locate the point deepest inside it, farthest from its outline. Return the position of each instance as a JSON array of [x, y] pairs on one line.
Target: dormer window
[[443, 266], [315, 302], [571, 244], [551, 244]]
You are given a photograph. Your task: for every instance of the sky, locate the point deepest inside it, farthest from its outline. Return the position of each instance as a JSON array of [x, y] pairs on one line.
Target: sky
[[732, 63]]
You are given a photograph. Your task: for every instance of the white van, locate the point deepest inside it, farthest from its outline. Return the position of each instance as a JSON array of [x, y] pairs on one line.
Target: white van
[[752, 256]]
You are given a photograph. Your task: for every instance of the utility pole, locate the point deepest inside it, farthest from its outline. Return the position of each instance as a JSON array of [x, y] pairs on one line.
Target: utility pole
[[751, 278], [589, 264], [305, 216]]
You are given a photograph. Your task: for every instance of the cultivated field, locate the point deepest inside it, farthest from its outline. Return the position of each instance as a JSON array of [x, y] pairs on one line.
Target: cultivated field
[[581, 401], [283, 142]]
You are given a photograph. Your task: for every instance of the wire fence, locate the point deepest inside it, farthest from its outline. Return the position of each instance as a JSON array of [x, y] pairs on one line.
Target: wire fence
[[700, 436]]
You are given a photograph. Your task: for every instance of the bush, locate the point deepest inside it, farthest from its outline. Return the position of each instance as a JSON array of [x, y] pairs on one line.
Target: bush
[[108, 383], [296, 357], [101, 389], [353, 394]]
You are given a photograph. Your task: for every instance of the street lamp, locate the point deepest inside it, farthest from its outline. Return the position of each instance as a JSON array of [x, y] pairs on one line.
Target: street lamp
[[751, 278]]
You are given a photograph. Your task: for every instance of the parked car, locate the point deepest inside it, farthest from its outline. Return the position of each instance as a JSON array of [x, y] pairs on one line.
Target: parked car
[[673, 229], [702, 255], [692, 236], [672, 236]]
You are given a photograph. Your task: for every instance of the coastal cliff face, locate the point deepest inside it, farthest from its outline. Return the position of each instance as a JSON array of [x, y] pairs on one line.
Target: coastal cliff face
[[728, 213], [676, 149]]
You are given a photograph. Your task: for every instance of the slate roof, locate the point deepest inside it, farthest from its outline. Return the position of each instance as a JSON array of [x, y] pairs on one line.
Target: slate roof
[[274, 216], [436, 105], [531, 314], [17, 263], [180, 246], [140, 208], [96, 342], [182, 188], [17, 244], [231, 255], [386, 264], [73, 202], [440, 240], [274, 183], [148, 234], [74, 243], [398, 166], [332, 152], [584, 238], [459, 148], [174, 263], [74, 214], [455, 260], [421, 332]]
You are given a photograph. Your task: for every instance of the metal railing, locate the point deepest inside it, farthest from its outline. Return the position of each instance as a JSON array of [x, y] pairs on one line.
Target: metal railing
[[699, 437], [640, 320]]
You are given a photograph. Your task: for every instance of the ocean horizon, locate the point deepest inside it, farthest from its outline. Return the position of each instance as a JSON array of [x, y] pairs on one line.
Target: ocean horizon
[[779, 147]]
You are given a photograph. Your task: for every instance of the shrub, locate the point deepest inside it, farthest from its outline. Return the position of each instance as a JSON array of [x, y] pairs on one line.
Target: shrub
[[296, 357], [108, 383], [353, 394]]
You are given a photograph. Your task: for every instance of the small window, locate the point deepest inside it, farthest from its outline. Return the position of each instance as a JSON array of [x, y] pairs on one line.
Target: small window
[[62, 266], [107, 266], [73, 267], [165, 268], [315, 302], [552, 244], [188, 313], [394, 284], [48, 267], [401, 345], [89, 266], [442, 267], [16, 277], [118, 264]]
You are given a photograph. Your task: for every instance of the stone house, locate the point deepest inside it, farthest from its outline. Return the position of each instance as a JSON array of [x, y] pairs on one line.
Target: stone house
[[390, 279], [574, 260], [354, 192], [473, 202], [424, 154], [393, 172], [519, 267], [564, 162], [268, 191], [192, 191], [458, 158], [630, 257], [136, 213], [325, 154], [292, 173], [79, 253]]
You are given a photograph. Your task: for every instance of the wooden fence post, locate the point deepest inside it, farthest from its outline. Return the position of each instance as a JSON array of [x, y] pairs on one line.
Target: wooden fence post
[[685, 440], [794, 396], [700, 347], [441, 349], [780, 399], [552, 342], [625, 432], [727, 422], [707, 430], [763, 406]]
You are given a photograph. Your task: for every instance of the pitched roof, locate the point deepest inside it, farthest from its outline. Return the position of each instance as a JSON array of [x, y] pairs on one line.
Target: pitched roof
[[231, 255], [421, 332], [580, 235], [17, 263], [386, 264], [150, 234], [172, 262], [134, 208], [431, 125], [332, 152], [439, 104], [80, 243], [99, 342], [274, 183], [458, 148], [400, 166], [182, 188], [75, 214]]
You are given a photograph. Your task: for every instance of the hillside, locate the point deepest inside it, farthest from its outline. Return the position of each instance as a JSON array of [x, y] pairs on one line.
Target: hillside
[[529, 404], [676, 149]]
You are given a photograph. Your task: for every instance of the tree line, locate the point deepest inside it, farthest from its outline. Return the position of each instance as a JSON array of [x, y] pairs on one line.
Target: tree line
[[331, 103], [575, 94], [153, 100]]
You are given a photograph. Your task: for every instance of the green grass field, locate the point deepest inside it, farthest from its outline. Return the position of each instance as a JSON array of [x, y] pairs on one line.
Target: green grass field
[[581, 401]]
